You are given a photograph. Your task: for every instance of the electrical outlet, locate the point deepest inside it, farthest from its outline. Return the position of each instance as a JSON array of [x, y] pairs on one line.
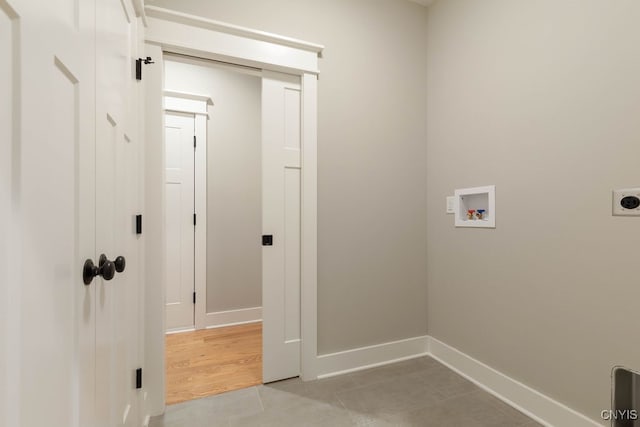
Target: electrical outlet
[[626, 202]]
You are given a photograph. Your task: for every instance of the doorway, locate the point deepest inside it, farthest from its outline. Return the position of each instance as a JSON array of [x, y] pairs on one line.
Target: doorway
[[170, 32], [213, 202], [233, 169]]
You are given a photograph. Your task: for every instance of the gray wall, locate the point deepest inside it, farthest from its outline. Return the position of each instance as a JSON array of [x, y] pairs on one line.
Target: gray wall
[[541, 98], [234, 200], [372, 149]]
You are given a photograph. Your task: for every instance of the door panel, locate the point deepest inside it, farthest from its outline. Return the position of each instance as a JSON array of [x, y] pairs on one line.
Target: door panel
[[117, 329], [281, 169], [292, 254], [179, 209], [56, 208]]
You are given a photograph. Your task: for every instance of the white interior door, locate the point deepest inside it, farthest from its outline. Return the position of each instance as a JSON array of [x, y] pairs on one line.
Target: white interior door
[[281, 197], [179, 219], [117, 146], [52, 190], [49, 75], [64, 343]]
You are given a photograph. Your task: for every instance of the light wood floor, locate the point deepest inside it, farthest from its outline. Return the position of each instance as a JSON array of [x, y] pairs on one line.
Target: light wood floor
[[212, 361]]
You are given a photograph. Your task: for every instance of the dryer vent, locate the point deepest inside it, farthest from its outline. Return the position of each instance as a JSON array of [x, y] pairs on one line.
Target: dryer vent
[[625, 405]]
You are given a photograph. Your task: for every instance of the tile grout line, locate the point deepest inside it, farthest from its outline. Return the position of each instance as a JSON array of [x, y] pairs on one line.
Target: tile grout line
[[259, 398]]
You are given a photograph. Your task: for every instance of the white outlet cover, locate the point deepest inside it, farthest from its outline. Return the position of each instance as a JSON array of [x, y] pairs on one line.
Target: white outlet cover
[[451, 204], [618, 195]]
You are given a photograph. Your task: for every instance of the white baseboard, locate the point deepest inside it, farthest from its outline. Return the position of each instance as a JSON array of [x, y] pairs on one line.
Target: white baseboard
[[328, 365], [241, 316], [536, 405], [179, 330]]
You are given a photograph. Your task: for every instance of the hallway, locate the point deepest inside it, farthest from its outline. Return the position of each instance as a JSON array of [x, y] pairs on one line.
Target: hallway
[[212, 361]]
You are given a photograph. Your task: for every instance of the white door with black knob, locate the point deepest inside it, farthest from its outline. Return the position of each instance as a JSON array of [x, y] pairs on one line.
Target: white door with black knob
[[68, 194]]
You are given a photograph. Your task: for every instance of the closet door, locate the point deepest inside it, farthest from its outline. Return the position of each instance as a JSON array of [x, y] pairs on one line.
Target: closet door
[[179, 219]]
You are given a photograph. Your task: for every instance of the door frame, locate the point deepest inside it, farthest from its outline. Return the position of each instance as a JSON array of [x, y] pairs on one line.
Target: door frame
[[174, 32], [196, 104]]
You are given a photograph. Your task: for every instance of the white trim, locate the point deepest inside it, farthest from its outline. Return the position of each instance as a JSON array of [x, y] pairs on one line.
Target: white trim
[[187, 95], [153, 234], [309, 227], [185, 111], [180, 330], [357, 359], [200, 229], [179, 33], [240, 316], [187, 103], [222, 27], [138, 6], [525, 399], [531, 402]]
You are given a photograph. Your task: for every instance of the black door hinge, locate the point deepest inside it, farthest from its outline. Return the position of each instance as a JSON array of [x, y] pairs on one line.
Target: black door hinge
[[194, 141], [138, 378], [194, 220], [139, 63], [138, 224], [194, 297]]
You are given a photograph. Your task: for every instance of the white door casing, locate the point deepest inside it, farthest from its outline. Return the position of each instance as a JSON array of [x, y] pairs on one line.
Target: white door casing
[[9, 119], [187, 34], [154, 243], [179, 219], [281, 213], [200, 264]]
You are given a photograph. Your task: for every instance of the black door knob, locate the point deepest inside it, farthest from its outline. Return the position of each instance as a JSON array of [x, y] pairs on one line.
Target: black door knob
[[105, 268], [108, 270], [120, 263]]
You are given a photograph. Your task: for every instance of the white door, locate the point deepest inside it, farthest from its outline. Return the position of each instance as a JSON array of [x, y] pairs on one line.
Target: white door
[[47, 116], [117, 146], [281, 197], [52, 179], [179, 219]]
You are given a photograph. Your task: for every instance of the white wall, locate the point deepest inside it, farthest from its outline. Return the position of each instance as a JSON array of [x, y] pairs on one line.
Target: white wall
[[234, 201], [371, 158], [541, 98]]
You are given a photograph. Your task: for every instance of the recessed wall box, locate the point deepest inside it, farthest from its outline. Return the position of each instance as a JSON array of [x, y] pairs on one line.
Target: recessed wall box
[[626, 202], [476, 207]]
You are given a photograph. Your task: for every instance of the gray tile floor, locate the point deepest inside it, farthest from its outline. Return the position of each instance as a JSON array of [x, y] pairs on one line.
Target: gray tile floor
[[417, 392]]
